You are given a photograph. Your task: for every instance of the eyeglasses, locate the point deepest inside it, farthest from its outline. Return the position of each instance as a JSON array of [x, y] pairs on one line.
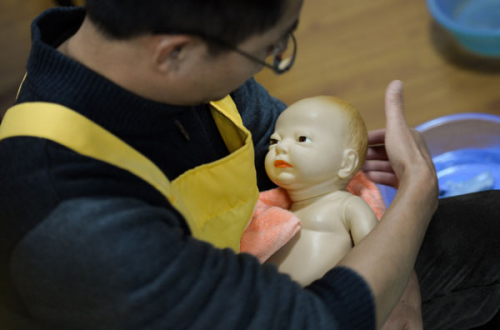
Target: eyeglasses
[[282, 56]]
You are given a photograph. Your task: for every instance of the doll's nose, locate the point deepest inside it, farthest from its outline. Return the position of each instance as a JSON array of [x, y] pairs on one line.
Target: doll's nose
[[282, 148]]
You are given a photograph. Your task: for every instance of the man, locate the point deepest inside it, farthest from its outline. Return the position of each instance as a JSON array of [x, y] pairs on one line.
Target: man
[[94, 235]]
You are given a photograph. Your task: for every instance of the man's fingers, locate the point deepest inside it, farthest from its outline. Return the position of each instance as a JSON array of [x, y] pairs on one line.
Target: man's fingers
[[376, 153], [378, 166], [376, 137], [394, 104], [388, 179]]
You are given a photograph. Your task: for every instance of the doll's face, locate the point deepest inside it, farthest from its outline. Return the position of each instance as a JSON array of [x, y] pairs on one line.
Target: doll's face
[[308, 144]]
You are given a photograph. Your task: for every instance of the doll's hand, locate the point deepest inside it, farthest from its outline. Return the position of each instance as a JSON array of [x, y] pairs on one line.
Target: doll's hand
[[401, 158]]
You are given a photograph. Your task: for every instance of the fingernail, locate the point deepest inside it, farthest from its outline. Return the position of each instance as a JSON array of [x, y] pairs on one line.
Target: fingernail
[[396, 85]]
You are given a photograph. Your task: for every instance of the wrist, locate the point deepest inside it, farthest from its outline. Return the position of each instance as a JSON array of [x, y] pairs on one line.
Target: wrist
[[420, 191]]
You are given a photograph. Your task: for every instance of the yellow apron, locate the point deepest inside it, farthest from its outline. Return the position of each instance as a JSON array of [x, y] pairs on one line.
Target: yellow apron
[[216, 199]]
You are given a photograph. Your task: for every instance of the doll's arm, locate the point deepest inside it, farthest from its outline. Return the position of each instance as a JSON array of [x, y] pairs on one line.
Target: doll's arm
[[359, 218]]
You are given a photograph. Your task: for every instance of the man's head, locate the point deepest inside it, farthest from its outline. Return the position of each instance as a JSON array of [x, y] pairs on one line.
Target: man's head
[[317, 141], [228, 20], [187, 42]]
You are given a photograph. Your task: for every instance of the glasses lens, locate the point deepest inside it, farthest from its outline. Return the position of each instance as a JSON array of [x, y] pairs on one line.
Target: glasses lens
[[283, 54]]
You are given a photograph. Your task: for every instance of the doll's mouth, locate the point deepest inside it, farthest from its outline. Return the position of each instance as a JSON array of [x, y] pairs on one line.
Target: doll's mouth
[[281, 164]]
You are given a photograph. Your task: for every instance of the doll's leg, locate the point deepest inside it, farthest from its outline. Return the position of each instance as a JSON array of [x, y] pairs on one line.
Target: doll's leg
[[459, 263]]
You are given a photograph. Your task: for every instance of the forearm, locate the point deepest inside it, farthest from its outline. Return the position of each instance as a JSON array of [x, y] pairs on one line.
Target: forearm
[[385, 258], [126, 265], [411, 296], [407, 314]]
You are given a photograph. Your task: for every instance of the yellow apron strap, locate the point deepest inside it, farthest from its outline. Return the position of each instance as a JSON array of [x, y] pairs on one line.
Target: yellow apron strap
[[200, 194], [225, 112], [228, 107], [64, 126]]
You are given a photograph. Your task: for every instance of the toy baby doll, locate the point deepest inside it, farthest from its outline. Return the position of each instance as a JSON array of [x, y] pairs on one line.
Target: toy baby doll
[[318, 145]]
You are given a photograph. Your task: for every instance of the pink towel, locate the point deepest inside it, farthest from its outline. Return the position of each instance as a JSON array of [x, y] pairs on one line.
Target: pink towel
[[363, 187], [272, 225]]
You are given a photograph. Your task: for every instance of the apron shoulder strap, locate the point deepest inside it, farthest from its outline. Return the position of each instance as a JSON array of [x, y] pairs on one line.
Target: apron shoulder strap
[[68, 128], [225, 112], [228, 108]]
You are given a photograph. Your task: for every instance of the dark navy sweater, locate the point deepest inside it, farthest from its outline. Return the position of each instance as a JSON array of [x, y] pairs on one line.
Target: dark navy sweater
[[85, 245]]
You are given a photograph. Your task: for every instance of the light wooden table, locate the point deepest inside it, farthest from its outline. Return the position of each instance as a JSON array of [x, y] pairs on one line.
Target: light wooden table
[[353, 48]]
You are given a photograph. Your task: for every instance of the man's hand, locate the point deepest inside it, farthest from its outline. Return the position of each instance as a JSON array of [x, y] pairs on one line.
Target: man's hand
[[397, 152], [385, 258]]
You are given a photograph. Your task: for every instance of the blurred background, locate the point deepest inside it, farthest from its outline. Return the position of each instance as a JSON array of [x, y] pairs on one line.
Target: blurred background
[[348, 48]]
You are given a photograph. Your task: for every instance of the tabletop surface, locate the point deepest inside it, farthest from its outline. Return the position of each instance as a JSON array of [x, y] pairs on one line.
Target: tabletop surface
[[351, 49]]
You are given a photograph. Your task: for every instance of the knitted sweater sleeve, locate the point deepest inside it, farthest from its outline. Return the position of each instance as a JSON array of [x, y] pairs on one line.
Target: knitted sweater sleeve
[[118, 263]]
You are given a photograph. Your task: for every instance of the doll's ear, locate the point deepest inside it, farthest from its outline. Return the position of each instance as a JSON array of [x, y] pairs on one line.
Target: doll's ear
[[349, 163]]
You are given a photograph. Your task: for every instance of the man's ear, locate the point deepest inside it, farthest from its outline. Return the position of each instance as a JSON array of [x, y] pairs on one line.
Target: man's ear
[[169, 50], [349, 163]]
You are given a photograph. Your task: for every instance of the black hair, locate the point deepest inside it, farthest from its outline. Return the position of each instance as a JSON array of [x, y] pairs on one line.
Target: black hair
[[231, 21]]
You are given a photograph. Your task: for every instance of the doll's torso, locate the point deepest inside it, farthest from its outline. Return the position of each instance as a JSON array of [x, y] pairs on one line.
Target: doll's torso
[[323, 240]]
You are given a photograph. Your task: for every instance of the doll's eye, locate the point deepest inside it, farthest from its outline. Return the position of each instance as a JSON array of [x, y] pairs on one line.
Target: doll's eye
[[273, 141], [303, 139]]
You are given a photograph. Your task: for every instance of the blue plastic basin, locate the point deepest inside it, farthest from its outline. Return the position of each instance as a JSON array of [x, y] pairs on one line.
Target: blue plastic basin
[[462, 146], [475, 24]]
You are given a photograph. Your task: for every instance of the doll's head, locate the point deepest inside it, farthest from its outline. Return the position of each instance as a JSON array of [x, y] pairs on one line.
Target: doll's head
[[318, 141]]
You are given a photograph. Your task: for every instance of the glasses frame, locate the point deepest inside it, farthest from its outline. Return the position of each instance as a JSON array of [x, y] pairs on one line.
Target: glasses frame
[[276, 55]]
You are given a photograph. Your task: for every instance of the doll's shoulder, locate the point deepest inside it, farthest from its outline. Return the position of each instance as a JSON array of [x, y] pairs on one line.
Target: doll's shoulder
[[326, 214], [351, 199], [358, 210], [342, 198], [337, 202]]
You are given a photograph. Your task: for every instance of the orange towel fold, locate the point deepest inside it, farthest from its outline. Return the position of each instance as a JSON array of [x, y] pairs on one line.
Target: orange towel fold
[[363, 187], [272, 225]]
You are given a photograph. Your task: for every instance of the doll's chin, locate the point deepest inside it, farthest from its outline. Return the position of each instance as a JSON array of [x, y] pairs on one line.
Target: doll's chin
[[283, 179]]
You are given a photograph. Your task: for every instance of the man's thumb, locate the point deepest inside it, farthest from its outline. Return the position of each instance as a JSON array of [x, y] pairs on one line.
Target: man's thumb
[[394, 104]]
